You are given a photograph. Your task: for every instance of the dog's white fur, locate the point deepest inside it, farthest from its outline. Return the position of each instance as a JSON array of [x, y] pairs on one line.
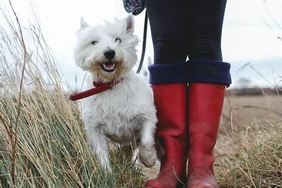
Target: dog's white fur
[[125, 113]]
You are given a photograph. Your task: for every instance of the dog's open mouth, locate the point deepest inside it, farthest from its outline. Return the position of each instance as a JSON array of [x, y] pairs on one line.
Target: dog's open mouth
[[108, 66]]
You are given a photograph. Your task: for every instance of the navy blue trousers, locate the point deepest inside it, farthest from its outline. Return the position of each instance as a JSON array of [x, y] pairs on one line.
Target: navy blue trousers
[[187, 28], [182, 28]]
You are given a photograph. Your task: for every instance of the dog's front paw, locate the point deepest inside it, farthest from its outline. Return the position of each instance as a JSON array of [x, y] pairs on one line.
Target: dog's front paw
[[148, 156]]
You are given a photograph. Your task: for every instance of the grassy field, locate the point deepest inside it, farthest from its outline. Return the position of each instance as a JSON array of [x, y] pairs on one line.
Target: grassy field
[[43, 144], [249, 148]]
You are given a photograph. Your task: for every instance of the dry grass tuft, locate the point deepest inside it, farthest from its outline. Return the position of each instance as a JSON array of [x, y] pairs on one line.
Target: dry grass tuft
[[250, 151], [47, 141]]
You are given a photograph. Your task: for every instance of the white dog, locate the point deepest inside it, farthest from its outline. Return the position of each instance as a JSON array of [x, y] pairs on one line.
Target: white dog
[[125, 112]]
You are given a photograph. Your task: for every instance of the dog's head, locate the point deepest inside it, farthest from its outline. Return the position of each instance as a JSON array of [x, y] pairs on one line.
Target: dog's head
[[108, 51]]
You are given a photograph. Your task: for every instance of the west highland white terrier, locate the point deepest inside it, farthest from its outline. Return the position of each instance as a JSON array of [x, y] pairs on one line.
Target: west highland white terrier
[[123, 112]]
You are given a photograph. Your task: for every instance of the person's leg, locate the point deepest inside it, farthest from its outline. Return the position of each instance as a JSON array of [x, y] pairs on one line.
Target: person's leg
[[205, 107], [167, 22], [204, 29], [170, 101], [168, 79], [208, 77]]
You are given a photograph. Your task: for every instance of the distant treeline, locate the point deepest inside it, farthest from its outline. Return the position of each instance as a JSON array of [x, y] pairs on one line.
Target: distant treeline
[[253, 91]]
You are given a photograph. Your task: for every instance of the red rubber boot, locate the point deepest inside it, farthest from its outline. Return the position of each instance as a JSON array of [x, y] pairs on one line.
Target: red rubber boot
[[205, 107], [170, 101]]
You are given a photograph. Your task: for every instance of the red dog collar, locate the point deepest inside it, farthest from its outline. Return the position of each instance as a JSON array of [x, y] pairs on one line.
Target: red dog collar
[[99, 87]]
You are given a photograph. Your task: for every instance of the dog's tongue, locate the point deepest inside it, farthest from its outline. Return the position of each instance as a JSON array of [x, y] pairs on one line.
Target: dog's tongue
[[109, 66]]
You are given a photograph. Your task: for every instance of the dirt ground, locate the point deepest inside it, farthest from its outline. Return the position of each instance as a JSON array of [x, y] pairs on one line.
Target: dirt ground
[[245, 109]]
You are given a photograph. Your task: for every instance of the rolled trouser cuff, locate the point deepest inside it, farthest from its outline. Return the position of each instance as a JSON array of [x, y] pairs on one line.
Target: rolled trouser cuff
[[207, 71], [192, 71], [168, 73]]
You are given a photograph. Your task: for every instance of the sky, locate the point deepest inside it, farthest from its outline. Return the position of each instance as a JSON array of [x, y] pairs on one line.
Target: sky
[[250, 33]]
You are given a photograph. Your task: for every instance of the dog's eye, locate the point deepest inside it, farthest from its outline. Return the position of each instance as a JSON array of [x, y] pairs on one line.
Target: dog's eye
[[118, 40], [94, 42]]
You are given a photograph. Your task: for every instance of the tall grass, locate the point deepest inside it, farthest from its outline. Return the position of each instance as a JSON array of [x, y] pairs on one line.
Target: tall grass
[[255, 150], [42, 141]]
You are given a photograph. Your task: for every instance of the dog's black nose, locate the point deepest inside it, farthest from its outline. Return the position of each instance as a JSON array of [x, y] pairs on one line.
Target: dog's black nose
[[110, 54]]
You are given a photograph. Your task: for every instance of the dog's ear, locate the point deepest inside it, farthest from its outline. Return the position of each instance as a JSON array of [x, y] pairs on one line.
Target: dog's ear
[[83, 24], [129, 24]]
